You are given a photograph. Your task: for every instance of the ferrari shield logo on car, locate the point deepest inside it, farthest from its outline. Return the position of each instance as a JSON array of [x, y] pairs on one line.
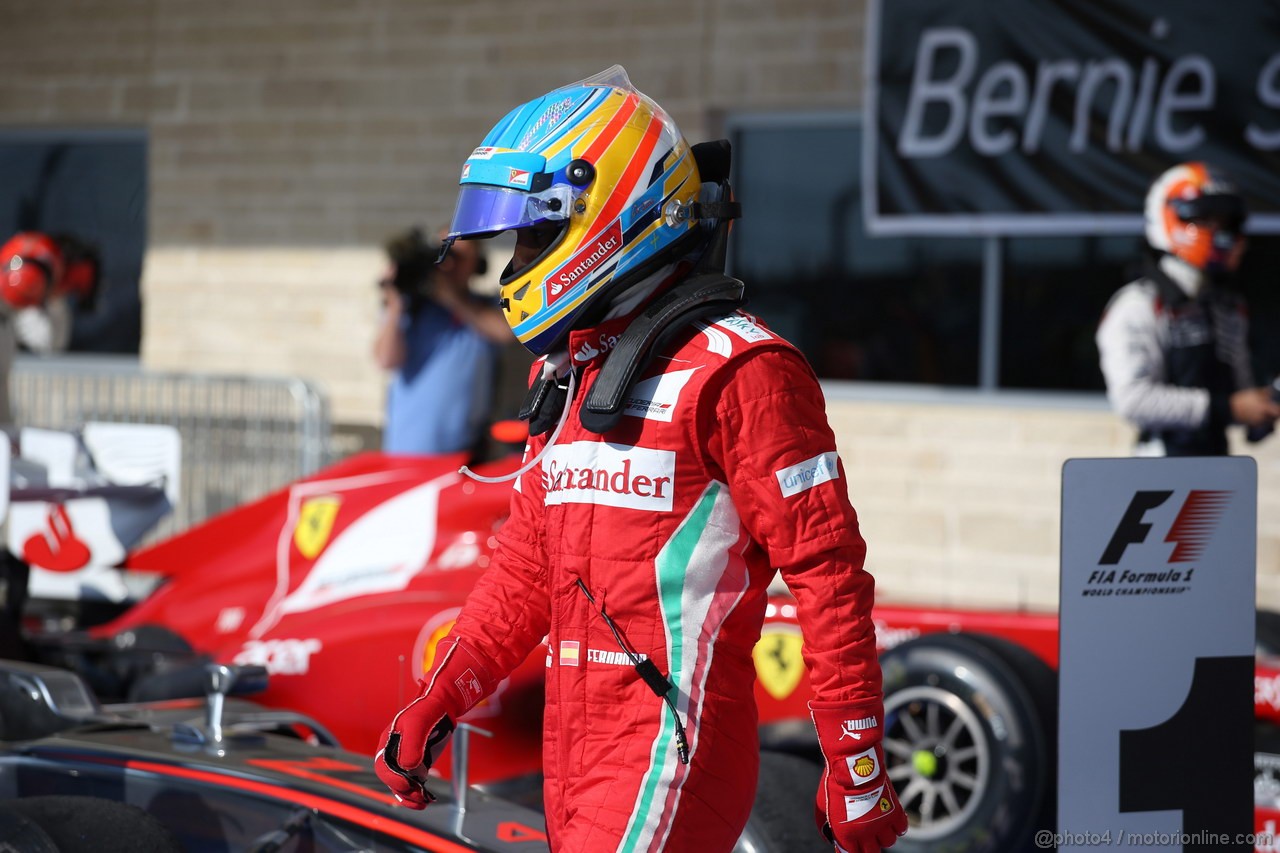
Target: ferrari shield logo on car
[[778, 662], [315, 523], [432, 641], [426, 651]]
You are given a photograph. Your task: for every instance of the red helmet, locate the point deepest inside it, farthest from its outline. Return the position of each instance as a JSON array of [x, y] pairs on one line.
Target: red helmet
[[30, 267], [1194, 212]]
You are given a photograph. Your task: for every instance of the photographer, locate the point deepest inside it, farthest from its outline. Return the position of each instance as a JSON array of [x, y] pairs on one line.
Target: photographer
[[441, 341]]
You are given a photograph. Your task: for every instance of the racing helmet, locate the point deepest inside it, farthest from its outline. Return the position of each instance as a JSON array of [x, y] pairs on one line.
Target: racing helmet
[[609, 184], [30, 268], [1194, 212]]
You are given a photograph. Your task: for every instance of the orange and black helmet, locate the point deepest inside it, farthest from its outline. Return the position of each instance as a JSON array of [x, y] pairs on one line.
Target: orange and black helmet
[[1194, 212]]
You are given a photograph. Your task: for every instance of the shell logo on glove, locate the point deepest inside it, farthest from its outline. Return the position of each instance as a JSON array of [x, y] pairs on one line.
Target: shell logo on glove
[[864, 766]]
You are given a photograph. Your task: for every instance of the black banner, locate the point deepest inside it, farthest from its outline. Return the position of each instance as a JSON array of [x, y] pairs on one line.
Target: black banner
[[1054, 116]]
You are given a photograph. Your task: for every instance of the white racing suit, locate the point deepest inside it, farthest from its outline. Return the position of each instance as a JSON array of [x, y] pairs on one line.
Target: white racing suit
[[1172, 361]]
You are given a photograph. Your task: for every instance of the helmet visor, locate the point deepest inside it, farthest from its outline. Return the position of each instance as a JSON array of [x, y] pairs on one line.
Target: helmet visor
[[1227, 210], [486, 210]]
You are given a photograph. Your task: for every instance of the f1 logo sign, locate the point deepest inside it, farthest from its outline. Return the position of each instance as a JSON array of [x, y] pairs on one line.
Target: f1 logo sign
[[1190, 531], [1159, 563]]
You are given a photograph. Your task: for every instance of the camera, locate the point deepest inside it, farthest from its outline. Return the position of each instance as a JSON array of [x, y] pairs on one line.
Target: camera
[[414, 260]]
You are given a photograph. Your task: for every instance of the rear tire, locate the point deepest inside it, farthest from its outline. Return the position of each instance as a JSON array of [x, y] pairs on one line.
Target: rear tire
[[19, 832], [79, 824], [970, 742], [782, 817]]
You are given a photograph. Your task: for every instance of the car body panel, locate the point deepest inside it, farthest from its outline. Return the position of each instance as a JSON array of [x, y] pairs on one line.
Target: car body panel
[[237, 790]]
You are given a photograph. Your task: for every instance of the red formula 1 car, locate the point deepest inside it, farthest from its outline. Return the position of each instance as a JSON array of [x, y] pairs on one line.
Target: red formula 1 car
[[342, 585]]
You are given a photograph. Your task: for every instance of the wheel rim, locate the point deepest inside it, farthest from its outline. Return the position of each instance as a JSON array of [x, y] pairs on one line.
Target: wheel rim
[[939, 757]]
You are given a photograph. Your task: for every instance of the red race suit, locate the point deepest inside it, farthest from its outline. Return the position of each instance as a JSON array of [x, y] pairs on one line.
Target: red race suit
[[721, 470]]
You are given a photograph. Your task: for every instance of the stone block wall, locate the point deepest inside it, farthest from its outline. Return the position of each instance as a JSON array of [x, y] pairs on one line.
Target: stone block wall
[[959, 494]]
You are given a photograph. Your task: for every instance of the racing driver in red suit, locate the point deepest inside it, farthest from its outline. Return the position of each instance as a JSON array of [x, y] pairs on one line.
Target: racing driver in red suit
[[679, 455]]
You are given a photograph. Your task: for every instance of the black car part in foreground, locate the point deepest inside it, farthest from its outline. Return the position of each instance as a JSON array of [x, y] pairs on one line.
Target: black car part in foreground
[[218, 774]]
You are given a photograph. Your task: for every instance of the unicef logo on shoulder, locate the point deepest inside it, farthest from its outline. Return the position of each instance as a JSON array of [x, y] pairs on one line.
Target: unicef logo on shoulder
[[797, 478]]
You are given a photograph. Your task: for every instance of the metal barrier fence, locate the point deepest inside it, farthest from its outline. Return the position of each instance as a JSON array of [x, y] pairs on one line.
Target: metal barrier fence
[[242, 436]]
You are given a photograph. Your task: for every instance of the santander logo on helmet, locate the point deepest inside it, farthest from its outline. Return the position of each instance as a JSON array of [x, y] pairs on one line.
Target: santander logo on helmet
[[592, 257]]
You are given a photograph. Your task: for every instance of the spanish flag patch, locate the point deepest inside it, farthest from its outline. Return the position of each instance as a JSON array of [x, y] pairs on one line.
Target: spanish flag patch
[[569, 652]]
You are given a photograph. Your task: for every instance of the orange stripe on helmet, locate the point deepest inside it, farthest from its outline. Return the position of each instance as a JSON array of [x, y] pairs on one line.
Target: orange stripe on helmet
[[612, 129], [633, 173], [1188, 241]]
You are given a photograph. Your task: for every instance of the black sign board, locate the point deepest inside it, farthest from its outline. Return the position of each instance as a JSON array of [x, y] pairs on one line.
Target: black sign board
[[1054, 116]]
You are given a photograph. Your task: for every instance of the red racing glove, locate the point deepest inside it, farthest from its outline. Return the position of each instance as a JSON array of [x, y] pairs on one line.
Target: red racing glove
[[857, 808], [420, 732]]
